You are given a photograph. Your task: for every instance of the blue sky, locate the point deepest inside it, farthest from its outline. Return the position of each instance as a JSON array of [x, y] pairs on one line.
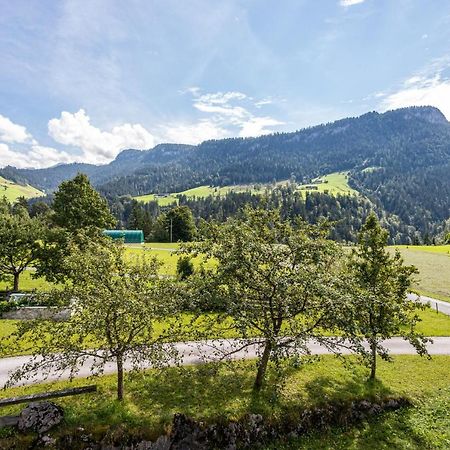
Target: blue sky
[[81, 80]]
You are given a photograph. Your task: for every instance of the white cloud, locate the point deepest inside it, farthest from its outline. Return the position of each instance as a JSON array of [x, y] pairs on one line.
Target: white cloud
[[36, 157], [227, 115], [98, 146], [421, 91], [221, 98], [193, 133], [11, 132], [350, 2], [256, 126], [263, 102]]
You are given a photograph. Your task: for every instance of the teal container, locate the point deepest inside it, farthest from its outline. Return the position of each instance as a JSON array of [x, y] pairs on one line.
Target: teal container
[[128, 236]]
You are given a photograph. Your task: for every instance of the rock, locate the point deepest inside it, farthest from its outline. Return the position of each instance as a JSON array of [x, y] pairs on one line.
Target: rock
[[162, 443], [40, 417], [47, 441]]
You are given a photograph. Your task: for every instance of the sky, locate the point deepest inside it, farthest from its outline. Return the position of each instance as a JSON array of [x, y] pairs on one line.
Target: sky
[[81, 80]]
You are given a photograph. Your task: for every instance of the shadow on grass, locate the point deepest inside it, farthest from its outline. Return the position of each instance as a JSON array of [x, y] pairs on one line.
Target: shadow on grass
[[218, 392], [393, 430], [390, 431]]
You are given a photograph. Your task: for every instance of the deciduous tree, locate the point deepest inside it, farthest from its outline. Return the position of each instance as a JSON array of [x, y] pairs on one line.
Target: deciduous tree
[[20, 243], [380, 308], [180, 224], [115, 306], [77, 205], [276, 280]]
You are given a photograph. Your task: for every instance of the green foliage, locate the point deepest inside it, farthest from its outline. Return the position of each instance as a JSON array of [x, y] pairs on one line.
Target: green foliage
[[78, 205], [276, 280], [20, 242], [380, 308], [114, 307], [185, 267], [179, 224]]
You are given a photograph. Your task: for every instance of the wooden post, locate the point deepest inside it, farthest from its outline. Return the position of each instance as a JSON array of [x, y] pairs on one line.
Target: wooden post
[[46, 395]]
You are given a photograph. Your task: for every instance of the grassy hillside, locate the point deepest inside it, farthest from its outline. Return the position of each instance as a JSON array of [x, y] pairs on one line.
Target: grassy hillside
[[13, 191], [333, 184], [200, 192], [433, 263]]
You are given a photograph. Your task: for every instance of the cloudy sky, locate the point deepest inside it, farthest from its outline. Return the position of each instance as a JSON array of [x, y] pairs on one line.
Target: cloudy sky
[[81, 80]]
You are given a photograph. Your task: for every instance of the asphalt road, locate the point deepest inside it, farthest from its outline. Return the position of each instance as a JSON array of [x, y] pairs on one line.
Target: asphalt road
[[207, 351], [200, 352], [443, 307]]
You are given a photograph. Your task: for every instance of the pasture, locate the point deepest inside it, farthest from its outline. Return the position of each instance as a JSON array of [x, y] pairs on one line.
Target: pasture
[[334, 184], [12, 191], [433, 263], [197, 192]]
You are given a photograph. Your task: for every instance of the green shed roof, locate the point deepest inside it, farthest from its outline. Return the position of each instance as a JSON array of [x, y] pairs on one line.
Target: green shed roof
[[129, 236]]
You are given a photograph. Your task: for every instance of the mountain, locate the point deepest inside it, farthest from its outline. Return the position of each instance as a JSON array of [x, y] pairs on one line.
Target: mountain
[[399, 159], [127, 162]]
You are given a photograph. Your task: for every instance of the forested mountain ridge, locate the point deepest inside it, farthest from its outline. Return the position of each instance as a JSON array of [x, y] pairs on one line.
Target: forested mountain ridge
[[399, 159]]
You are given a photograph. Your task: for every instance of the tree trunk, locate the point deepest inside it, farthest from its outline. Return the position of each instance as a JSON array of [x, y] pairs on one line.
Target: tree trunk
[[120, 377], [373, 362], [16, 281], [262, 366]]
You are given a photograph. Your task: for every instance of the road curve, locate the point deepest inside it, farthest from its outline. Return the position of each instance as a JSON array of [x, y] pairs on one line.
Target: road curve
[[439, 305], [207, 351]]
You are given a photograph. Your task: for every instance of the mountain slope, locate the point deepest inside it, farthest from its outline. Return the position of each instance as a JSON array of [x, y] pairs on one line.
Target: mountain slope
[[399, 159], [12, 191]]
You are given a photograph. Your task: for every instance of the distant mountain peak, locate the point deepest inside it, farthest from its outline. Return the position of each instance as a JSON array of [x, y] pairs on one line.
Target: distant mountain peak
[[128, 154], [430, 114]]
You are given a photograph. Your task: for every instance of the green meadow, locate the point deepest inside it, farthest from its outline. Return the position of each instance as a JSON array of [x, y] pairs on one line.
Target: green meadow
[[12, 191], [197, 192], [334, 184], [433, 263]]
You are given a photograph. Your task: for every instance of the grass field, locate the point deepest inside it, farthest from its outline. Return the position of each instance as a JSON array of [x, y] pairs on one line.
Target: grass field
[[433, 263], [432, 324], [440, 249], [27, 283], [199, 192], [13, 191], [217, 392], [333, 184]]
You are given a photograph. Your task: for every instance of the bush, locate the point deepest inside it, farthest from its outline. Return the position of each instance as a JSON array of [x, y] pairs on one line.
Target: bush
[[185, 267]]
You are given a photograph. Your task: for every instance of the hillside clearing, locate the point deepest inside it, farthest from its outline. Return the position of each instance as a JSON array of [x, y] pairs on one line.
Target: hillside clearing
[[334, 184], [199, 192], [12, 191]]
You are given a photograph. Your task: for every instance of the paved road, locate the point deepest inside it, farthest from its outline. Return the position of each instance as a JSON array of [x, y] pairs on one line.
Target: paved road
[[199, 352], [195, 352], [441, 306]]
